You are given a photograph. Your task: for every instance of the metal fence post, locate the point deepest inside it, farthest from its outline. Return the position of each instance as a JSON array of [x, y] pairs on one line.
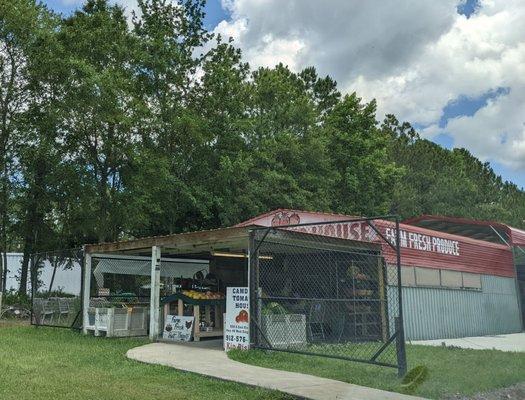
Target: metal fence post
[[400, 339], [253, 267]]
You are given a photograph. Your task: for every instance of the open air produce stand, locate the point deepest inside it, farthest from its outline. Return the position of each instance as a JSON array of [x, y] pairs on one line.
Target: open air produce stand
[[207, 310], [329, 289]]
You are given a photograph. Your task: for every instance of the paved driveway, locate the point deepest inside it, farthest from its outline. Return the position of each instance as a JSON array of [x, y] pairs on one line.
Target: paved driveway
[[512, 342]]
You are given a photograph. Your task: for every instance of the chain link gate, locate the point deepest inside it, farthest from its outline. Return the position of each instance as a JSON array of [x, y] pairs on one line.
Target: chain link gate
[[56, 288], [329, 289]]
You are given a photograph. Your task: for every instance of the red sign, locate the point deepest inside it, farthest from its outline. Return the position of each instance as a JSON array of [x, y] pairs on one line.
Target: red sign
[[419, 246]]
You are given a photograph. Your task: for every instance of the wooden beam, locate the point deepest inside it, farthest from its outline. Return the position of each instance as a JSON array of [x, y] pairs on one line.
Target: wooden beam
[[87, 292], [154, 293], [191, 240]]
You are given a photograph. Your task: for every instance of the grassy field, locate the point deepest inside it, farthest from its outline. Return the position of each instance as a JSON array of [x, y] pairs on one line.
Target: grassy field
[[54, 364], [451, 371]]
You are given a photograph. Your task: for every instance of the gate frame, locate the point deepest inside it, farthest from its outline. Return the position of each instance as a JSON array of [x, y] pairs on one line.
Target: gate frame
[[32, 275], [253, 277]]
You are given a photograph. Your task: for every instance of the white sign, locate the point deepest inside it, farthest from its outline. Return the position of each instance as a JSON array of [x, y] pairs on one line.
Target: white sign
[[237, 321], [363, 231], [178, 328], [418, 241]]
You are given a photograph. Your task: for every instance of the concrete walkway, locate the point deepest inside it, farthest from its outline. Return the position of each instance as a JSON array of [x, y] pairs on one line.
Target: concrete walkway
[[512, 342], [215, 363]]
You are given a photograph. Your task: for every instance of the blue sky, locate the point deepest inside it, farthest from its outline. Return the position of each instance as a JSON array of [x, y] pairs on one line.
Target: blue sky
[[462, 105], [214, 11]]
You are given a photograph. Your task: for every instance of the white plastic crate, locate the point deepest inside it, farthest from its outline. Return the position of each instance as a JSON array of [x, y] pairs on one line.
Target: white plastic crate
[[284, 331], [118, 322]]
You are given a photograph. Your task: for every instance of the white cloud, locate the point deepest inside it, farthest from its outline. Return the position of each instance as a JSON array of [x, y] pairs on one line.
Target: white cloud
[[414, 57], [71, 2]]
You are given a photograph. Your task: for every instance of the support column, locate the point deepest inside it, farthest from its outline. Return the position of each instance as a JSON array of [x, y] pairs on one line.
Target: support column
[[86, 292], [154, 293]]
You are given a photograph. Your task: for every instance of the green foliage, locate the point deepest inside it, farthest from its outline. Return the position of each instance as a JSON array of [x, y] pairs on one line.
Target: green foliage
[[112, 130], [366, 177], [274, 309], [448, 182], [13, 298], [415, 377]]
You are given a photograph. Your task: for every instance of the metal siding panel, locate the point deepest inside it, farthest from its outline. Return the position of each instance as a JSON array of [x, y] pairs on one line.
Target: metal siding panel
[[435, 313]]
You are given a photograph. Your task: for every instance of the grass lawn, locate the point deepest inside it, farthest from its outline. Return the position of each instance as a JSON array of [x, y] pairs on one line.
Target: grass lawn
[[450, 371], [53, 364]]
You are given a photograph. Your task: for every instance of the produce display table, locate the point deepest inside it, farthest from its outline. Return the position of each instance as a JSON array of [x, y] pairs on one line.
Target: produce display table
[[198, 305]]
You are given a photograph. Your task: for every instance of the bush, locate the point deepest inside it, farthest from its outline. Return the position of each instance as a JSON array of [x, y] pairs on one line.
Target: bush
[[12, 297], [274, 309]]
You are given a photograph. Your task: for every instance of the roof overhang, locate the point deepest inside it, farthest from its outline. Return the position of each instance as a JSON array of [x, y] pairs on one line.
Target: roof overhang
[[289, 240], [488, 231], [231, 239]]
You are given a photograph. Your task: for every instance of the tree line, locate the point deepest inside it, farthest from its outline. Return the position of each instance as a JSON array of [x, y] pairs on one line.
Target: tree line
[[112, 128]]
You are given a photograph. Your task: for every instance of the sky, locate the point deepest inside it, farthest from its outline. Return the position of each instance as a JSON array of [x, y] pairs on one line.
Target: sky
[[454, 69]]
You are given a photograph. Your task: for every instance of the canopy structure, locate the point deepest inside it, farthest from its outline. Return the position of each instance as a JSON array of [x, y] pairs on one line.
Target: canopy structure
[[141, 266], [169, 256], [184, 254], [194, 243]]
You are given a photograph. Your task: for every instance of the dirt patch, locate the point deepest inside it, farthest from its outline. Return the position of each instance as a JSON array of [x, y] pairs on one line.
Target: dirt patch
[[515, 392]]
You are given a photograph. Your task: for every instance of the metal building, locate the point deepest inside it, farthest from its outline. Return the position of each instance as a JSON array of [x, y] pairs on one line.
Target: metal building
[[460, 277]]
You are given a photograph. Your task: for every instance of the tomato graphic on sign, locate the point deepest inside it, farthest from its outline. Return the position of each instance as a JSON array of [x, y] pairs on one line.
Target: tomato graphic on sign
[[242, 317]]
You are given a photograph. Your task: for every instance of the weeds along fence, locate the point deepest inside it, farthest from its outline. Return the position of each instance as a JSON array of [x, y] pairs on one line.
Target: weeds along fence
[[329, 289], [56, 288]]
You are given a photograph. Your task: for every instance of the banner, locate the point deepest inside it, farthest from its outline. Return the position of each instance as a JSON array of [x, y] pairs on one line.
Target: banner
[[237, 321]]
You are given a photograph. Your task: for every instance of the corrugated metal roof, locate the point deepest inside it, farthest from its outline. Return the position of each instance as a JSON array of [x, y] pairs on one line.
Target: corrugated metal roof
[[482, 230]]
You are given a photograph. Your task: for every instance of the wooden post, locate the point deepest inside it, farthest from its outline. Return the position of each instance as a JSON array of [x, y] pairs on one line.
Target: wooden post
[[166, 311], [207, 312], [86, 293], [129, 316], [217, 320], [180, 308], [110, 319], [196, 324], [97, 321], [154, 293]]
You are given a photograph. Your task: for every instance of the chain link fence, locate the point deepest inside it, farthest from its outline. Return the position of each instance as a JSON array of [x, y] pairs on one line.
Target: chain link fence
[[329, 289], [56, 288]]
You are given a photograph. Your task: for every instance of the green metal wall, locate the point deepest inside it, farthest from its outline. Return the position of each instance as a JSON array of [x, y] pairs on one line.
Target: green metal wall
[[436, 313]]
